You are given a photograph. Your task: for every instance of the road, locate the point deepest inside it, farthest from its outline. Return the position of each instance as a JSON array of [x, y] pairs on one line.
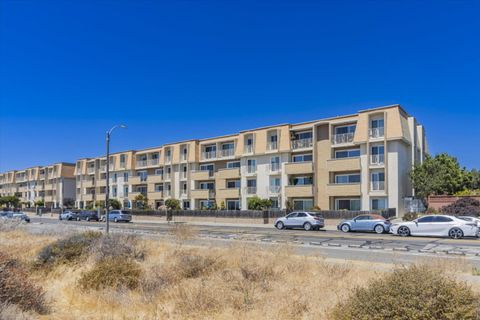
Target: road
[[384, 248]]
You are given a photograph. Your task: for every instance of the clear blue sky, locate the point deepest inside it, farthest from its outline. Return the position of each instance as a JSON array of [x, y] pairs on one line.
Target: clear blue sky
[[195, 69]]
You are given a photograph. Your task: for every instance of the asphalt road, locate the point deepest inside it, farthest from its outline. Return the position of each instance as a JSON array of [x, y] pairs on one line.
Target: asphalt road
[[384, 248]]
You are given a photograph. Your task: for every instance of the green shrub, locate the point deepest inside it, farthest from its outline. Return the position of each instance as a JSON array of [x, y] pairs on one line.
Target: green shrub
[[410, 216], [112, 272], [414, 293], [67, 250], [17, 289]]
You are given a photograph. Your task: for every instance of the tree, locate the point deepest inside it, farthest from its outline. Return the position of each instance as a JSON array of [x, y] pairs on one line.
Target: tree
[[255, 203], [141, 202], [40, 203], [463, 207], [114, 204], [475, 179], [172, 204], [222, 205], [10, 201], [439, 175]]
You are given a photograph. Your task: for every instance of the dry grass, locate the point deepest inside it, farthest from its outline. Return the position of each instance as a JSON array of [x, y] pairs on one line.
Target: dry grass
[[187, 282]]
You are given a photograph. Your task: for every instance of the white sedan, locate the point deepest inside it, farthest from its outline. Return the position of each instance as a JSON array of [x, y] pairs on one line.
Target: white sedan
[[436, 225]]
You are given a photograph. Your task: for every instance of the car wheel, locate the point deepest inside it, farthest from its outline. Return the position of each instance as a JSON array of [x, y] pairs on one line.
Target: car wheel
[[379, 229], [280, 225], [345, 228], [403, 231], [307, 226], [455, 233], [116, 220]]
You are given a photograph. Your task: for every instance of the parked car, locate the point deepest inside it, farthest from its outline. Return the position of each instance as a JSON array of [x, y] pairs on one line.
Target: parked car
[[14, 215], [301, 219], [436, 225], [68, 215], [470, 219], [87, 215], [118, 216], [365, 222]]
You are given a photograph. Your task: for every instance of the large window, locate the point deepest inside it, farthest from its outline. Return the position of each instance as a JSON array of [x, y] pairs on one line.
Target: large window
[[206, 204], [251, 166], [302, 181], [302, 204], [233, 164], [233, 184], [302, 158], [347, 204], [345, 129], [350, 153], [207, 185], [379, 203], [233, 204], [347, 178]]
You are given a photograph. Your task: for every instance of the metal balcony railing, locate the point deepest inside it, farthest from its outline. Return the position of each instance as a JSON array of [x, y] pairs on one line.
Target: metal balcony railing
[[274, 189], [91, 170], [141, 163], [302, 143], [342, 138], [377, 159], [272, 145], [251, 190], [251, 169], [209, 154], [274, 167], [377, 185], [153, 162], [249, 148], [228, 152], [377, 132]]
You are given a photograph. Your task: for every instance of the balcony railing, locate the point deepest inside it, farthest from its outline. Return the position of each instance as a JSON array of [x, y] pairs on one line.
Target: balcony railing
[[184, 175], [168, 159], [209, 154], [141, 163], [184, 157], [272, 145], [342, 138], [143, 178], [249, 148], [228, 152], [251, 169], [377, 159], [122, 164], [251, 190], [167, 176], [302, 143], [377, 185], [153, 162], [91, 170], [274, 189], [377, 132], [274, 167]]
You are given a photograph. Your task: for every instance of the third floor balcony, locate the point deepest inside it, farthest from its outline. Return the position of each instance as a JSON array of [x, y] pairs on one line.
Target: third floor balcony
[[302, 143], [342, 138]]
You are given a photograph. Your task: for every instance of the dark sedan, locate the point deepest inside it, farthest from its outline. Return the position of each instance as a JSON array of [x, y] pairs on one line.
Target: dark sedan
[[87, 215]]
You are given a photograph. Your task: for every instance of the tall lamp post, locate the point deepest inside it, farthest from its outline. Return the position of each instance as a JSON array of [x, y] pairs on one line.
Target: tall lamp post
[[107, 191]]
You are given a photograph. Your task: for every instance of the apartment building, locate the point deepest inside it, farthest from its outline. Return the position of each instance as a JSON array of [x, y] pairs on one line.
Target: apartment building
[[352, 162], [53, 184]]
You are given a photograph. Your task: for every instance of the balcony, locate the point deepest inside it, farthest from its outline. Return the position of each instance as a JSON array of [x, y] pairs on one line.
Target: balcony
[[377, 159], [91, 170], [377, 185], [141, 163], [138, 179], [302, 143], [202, 194], [228, 153], [228, 173], [251, 169], [153, 162], [347, 189], [377, 132], [343, 138], [251, 190], [88, 183], [248, 148], [123, 165], [155, 195], [228, 193], [209, 155], [299, 191], [202, 175], [102, 183], [343, 164], [274, 189], [298, 167], [272, 146], [156, 178]]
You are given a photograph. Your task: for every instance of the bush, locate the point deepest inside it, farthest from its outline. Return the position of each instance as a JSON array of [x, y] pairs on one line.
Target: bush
[[67, 250], [12, 312], [172, 204], [191, 265], [255, 203], [410, 216], [17, 289], [117, 245], [462, 207], [414, 293], [112, 272]]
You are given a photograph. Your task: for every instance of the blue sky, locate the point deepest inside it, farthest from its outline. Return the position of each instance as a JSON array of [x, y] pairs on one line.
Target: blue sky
[[174, 70]]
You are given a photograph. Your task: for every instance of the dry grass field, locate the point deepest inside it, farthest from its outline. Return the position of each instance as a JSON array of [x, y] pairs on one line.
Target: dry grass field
[[124, 277]]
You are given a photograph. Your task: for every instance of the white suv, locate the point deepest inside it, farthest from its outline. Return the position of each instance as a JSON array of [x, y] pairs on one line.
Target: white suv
[[301, 219]]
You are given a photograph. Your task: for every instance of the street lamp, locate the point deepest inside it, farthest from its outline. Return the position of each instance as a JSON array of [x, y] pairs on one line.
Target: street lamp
[[107, 191]]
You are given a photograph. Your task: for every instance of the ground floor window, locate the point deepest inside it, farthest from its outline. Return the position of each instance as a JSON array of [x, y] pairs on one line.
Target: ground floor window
[[206, 204], [379, 203], [302, 204], [347, 204], [233, 204], [275, 203], [186, 204], [126, 204]]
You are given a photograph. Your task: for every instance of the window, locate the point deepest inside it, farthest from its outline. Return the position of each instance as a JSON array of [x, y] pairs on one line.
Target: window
[[125, 191], [159, 187], [303, 135], [345, 129], [184, 172], [303, 204], [123, 159], [379, 203], [248, 144], [273, 141], [184, 188], [114, 192], [251, 165], [292, 215], [274, 164], [208, 167], [184, 155], [207, 185], [186, 204], [302, 158], [233, 204], [347, 178], [351, 153], [347, 204], [159, 172], [275, 203], [360, 218], [114, 178], [233, 164], [426, 219], [301, 215], [125, 177], [233, 184], [378, 180], [251, 183], [302, 181], [377, 123], [206, 204], [442, 219], [143, 175]]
